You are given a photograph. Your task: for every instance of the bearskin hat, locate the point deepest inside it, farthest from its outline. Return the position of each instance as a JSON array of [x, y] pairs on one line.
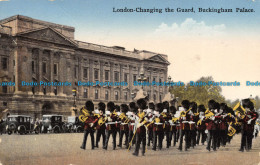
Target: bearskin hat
[[89, 105], [166, 105], [151, 105], [110, 106], [159, 107], [141, 103], [185, 104], [201, 108], [211, 104], [102, 107], [193, 106], [247, 103], [124, 108], [224, 107], [172, 109], [117, 108]]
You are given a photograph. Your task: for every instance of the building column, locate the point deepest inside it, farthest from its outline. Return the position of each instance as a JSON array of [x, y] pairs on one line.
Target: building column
[[39, 78], [61, 73], [29, 69], [51, 73]]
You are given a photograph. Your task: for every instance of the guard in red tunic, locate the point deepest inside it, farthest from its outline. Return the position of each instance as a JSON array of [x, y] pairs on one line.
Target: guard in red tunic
[[184, 124], [201, 126], [248, 123], [222, 117], [173, 127], [131, 115], [158, 122], [210, 125], [140, 128], [111, 124], [124, 130], [89, 121], [101, 127], [193, 120], [166, 126], [149, 114]]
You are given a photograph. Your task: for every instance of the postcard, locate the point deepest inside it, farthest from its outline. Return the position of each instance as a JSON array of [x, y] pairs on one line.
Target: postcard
[[129, 82]]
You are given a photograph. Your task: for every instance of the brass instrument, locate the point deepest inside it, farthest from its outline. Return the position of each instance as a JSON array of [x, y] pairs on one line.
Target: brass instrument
[[208, 114], [101, 121], [85, 114], [183, 113], [231, 130], [240, 110]]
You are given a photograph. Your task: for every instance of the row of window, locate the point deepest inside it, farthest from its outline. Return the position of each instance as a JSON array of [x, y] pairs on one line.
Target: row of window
[[85, 93], [96, 73]]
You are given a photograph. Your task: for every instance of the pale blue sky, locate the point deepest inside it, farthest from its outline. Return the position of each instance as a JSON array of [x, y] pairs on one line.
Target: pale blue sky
[[225, 46]]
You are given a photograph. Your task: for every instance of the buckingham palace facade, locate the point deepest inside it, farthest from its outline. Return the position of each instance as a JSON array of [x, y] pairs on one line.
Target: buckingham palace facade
[[32, 50]]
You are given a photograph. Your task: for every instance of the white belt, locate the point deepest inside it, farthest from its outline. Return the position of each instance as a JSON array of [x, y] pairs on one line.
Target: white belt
[[124, 123], [158, 123], [111, 123], [185, 122], [191, 122], [132, 124], [173, 124]]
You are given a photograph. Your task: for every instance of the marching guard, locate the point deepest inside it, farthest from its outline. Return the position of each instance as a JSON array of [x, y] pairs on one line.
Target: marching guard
[[88, 118]]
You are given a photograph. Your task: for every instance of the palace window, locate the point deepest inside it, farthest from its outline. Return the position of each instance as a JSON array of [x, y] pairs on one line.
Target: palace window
[[106, 95], [134, 78], [4, 63], [85, 93], [85, 73], [4, 88], [44, 69], [44, 90], [96, 72], [125, 96], [116, 95], [125, 77], [96, 94], [116, 76], [106, 75], [55, 69]]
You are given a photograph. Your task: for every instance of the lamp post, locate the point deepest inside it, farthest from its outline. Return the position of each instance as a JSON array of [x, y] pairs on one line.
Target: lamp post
[[141, 78], [74, 94]]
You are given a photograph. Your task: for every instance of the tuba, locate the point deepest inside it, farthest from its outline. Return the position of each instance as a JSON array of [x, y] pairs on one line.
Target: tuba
[[231, 130], [240, 110], [84, 114], [101, 121]]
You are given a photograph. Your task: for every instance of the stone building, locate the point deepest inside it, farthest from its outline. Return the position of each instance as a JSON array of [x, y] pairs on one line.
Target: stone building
[[32, 50]]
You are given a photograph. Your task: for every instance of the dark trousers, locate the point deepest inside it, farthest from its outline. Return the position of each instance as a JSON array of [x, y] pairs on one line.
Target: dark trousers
[[174, 135], [222, 138], [159, 135], [211, 138], [186, 134], [202, 135], [122, 133], [150, 136], [140, 137], [167, 134], [193, 138], [86, 132], [108, 133], [246, 139], [99, 133]]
